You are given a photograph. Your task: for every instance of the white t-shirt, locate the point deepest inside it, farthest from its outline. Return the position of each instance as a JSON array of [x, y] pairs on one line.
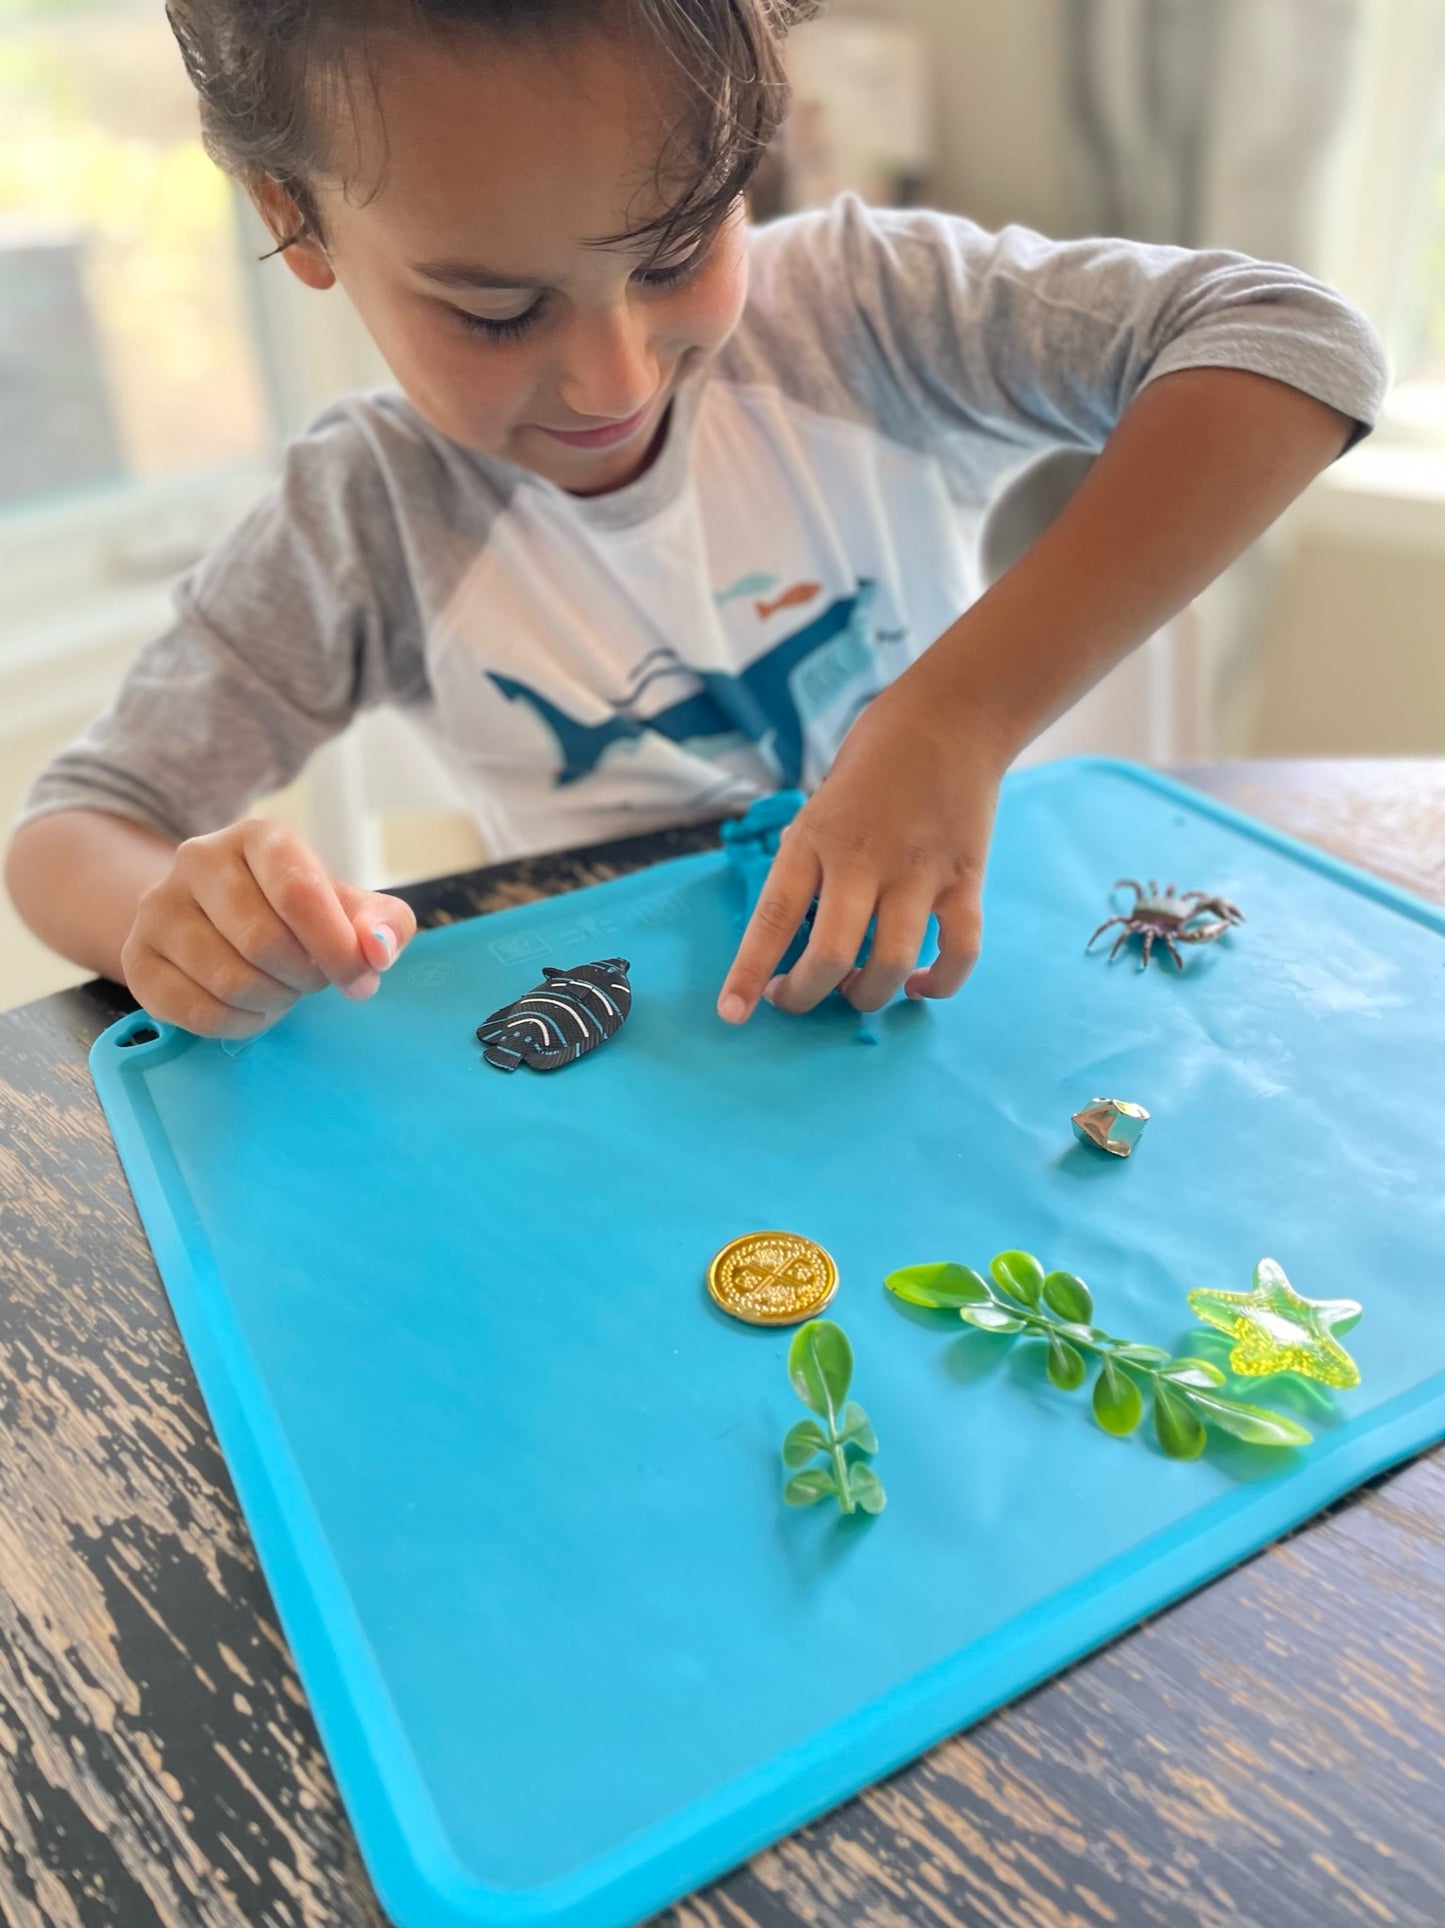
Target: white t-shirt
[[591, 667]]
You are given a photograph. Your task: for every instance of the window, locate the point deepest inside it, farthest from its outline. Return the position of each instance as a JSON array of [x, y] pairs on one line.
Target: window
[[1386, 202], [1418, 337], [126, 353]]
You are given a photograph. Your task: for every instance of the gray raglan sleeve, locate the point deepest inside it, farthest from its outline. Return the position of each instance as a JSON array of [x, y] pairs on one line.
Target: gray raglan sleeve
[[296, 621], [994, 345]]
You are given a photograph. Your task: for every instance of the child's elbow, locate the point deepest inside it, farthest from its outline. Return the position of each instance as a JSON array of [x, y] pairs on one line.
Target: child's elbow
[[23, 869]]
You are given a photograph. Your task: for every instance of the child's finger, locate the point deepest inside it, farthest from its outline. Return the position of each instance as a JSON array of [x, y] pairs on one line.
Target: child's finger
[[236, 925], [201, 952], [893, 954], [304, 896], [384, 925], [960, 937], [168, 992], [791, 886], [832, 952]]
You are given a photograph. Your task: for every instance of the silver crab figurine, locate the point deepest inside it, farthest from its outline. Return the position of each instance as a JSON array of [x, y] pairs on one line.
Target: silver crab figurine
[[1169, 919]]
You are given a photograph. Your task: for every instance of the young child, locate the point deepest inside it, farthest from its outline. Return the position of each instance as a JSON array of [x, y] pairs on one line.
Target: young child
[[661, 503]]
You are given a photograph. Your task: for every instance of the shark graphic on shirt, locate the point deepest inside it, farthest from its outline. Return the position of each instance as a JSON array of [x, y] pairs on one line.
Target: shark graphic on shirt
[[759, 702]]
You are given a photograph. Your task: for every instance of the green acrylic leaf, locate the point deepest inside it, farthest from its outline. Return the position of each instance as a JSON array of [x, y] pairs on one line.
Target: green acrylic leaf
[[1253, 1424], [1065, 1364], [1142, 1355], [939, 1286], [803, 1440], [854, 1429], [1118, 1402], [1187, 1396], [820, 1365], [1020, 1275], [806, 1489], [1069, 1297], [1177, 1427], [990, 1318], [865, 1488], [1192, 1372]]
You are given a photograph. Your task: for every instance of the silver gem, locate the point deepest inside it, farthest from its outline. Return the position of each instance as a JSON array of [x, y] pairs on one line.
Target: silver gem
[[1112, 1124]]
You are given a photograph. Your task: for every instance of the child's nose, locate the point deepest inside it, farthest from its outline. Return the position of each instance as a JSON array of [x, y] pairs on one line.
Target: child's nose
[[611, 370]]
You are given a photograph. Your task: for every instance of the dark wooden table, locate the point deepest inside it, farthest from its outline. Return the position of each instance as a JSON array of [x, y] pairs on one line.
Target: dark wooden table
[[1270, 1751]]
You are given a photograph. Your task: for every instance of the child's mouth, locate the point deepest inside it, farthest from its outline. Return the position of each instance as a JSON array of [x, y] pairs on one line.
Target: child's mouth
[[605, 437]]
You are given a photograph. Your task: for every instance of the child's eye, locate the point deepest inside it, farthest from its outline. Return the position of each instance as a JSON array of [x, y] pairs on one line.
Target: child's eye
[[513, 327], [510, 329], [676, 273]]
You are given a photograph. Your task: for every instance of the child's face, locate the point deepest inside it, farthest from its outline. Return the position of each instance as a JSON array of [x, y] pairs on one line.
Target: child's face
[[470, 265]]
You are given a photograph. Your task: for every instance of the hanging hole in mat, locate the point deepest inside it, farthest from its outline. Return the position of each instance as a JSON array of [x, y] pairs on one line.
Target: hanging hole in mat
[[143, 1034]]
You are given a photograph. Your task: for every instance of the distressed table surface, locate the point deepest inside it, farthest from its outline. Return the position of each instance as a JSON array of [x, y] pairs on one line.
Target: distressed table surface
[[1270, 1751]]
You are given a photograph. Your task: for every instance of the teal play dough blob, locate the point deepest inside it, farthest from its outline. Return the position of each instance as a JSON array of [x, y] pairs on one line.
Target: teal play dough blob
[[751, 843]]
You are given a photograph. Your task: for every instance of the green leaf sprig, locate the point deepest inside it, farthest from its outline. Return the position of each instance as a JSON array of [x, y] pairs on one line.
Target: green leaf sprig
[[1059, 1308], [820, 1365]]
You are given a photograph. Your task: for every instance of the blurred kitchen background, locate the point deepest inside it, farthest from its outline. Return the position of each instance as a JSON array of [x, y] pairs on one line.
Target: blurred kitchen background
[[150, 367]]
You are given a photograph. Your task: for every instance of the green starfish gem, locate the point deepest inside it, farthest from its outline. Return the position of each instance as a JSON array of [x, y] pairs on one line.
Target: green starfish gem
[[1275, 1330]]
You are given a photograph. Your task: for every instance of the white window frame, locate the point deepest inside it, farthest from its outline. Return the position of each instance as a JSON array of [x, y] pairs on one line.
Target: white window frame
[[1379, 183], [1389, 493], [88, 568]]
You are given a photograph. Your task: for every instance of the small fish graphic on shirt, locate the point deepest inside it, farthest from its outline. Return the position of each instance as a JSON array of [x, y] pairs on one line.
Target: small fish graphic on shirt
[[756, 585], [791, 598]]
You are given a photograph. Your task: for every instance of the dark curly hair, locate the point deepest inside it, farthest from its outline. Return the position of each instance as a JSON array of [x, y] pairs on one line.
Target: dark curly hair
[[263, 68]]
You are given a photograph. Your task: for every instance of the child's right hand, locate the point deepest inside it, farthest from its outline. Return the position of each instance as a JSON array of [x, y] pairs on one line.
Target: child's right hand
[[246, 921]]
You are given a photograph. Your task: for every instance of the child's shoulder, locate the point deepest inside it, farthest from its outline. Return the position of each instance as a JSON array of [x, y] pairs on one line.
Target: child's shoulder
[[360, 432], [348, 494], [836, 293], [371, 461], [847, 280], [848, 235]]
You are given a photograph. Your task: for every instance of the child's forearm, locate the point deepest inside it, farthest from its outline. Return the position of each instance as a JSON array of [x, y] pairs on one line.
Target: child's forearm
[[1201, 463], [76, 878]]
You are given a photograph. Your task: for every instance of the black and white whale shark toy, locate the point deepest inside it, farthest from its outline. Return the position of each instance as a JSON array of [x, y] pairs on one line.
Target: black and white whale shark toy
[[561, 1019]]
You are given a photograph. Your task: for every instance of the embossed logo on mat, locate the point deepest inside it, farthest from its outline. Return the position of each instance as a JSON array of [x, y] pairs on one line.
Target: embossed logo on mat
[[518, 947], [430, 976], [583, 933]]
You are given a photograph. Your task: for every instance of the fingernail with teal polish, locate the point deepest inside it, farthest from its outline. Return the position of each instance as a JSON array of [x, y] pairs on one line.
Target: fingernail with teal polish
[[386, 937]]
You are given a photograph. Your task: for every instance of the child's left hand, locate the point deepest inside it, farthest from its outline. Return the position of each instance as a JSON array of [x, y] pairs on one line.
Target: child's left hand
[[900, 828]]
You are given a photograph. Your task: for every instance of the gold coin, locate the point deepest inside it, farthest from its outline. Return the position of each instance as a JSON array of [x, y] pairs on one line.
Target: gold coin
[[772, 1278]]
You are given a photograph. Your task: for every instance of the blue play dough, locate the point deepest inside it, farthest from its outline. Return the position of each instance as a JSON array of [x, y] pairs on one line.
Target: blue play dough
[[751, 843], [514, 1481]]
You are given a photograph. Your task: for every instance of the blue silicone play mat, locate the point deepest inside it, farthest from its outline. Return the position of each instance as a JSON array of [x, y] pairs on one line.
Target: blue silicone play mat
[[515, 1481]]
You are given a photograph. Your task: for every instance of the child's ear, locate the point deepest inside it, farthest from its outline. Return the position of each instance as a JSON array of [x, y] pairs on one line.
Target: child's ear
[[306, 258]]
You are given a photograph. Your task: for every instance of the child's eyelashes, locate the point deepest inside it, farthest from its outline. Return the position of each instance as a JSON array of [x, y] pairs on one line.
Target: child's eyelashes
[[675, 273], [513, 327], [509, 329]]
